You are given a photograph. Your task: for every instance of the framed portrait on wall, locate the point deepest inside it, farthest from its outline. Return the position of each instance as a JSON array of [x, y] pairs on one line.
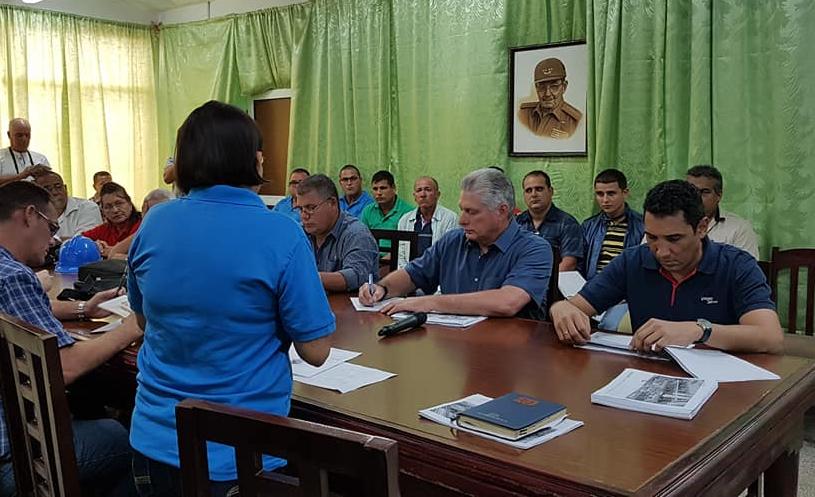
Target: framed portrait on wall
[[548, 85]]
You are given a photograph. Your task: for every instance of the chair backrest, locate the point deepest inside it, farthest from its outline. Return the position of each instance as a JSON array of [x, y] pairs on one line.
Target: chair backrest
[[793, 260], [39, 422], [396, 236], [367, 463], [553, 293]]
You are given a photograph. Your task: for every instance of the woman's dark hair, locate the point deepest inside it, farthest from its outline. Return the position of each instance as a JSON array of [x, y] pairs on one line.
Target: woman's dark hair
[[217, 145], [672, 197], [117, 189]]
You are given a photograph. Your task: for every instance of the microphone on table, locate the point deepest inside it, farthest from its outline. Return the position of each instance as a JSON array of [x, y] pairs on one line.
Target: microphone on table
[[408, 323]]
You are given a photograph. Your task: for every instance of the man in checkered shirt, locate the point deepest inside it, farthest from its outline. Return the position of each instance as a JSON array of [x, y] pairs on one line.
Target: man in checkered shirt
[[27, 226]]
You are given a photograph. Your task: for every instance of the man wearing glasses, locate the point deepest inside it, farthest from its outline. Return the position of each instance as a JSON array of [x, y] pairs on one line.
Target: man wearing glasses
[[27, 227], [74, 215], [345, 251], [286, 206], [355, 198]]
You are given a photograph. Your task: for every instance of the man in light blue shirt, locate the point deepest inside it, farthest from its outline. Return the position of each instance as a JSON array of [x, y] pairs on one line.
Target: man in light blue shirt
[[286, 206], [355, 199], [488, 267]]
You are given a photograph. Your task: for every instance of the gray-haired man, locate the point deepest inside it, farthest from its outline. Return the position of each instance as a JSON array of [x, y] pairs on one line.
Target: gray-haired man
[[490, 266]]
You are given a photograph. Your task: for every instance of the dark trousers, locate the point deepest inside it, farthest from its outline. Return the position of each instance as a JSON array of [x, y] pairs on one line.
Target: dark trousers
[[156, 479]]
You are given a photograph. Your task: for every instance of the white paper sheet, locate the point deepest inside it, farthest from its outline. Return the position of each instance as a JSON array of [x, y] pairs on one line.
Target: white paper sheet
[[108, 327], [118, 305], [570, 282], [719, 366], [615, 343], [346, 377], [358, 306], [301, 368], [446, 414]]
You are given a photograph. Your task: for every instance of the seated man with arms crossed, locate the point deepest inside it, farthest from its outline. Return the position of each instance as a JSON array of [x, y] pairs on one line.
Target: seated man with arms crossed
[[430, 220], [543, 218], [681, 287], [26, 228], [490, 267], [75, 215], [345, 250]]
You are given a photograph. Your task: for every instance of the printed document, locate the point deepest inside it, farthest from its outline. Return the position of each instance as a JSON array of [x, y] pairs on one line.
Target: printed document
[[709, 364], [118, 305], [346, 377], [301, 368], [359, 306], [451, 320]]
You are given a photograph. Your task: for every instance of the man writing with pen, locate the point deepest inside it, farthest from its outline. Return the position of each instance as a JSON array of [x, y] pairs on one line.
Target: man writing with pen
[[681, 287], [344, 249], [489, 267]]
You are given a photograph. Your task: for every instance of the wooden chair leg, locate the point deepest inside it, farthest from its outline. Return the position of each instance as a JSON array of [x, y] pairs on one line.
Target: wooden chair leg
[[753, 489]]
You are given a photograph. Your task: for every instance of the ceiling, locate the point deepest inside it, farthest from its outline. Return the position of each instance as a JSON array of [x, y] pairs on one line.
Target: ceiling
[[162, 5]]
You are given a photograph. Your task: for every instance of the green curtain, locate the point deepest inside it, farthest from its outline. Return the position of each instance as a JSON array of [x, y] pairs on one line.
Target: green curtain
[[229, 59], [87, 88]]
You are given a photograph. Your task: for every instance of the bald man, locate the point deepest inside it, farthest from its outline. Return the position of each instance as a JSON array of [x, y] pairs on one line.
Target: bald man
[[16, 161]]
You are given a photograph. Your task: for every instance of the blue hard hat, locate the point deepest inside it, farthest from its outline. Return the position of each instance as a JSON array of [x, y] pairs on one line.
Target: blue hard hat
[[76, 252]]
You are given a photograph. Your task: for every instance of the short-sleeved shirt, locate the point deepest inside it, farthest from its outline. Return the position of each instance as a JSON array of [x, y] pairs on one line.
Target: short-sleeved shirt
[[22, 296], [560, 229], [731, 229], [111, 234], [456, 265], [12, 162], [375, 219], [226, 285], [79, 215], [286, 207], [349, 249], [356, 207], [726, 285]]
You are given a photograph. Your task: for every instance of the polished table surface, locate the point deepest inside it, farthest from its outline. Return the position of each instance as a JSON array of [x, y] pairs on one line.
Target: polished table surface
[[740, 432]]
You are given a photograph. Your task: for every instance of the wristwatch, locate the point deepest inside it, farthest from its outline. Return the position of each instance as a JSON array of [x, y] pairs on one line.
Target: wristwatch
[[707, 329]]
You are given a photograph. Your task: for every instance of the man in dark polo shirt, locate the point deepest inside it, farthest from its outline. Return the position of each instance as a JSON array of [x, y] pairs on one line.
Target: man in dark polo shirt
[[489, 267], [681, 287], [543, 218], [344, 249]]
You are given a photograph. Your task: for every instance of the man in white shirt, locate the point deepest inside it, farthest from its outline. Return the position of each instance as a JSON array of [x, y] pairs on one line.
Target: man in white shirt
[[724, 227], [75, 214], [430, 220], [16, 161]]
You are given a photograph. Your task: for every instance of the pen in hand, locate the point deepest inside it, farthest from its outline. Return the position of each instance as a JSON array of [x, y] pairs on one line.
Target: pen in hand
[[371, 285], [121, 282]]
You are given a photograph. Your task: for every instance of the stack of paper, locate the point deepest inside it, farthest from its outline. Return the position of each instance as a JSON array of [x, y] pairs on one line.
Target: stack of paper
[[652, 393], [451, 320], [336, 373], [616, 343], [446, 414]]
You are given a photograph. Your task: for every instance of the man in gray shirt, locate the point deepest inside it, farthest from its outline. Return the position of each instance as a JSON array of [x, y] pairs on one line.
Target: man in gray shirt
[[345, 251]]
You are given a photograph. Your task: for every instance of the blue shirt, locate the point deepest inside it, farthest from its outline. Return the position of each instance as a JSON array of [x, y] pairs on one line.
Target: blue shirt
[[22, 296], [349, 249], [517, 258], [726, 285], [356, 208], [226, 285], [286, 207], [560, 229], [594, 231]]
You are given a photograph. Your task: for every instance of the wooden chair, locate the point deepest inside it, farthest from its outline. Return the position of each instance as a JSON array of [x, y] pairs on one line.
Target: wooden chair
[[396, 236], [317, 452], [793, 260], [39, 423]]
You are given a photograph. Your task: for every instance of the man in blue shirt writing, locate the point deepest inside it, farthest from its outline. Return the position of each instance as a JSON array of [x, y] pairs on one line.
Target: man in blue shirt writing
[[681, 287], [489, 267]]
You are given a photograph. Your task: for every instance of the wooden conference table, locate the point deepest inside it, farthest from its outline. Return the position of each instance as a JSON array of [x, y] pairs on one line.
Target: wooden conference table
[[744, 429]]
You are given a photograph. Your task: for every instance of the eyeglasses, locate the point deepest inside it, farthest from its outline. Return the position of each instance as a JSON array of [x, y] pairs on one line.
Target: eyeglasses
[[349, 179], [55, 188], [119, 204], [295, 182], [53, 226], [309, 210]]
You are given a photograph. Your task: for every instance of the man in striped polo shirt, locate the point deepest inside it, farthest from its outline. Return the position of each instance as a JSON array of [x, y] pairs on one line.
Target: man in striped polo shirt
[[615, 228]]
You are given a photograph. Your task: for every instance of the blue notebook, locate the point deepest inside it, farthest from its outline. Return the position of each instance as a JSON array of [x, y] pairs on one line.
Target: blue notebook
[[513, 416]]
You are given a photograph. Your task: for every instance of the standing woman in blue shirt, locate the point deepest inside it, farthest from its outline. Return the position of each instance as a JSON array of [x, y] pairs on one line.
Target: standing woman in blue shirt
[[222, 288]]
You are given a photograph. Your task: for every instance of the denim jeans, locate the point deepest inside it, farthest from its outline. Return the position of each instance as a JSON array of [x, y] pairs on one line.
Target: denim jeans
[[103, 457], [156, 479]]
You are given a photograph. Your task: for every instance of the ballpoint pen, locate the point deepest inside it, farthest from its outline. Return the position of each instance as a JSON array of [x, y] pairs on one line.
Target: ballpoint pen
[[371, 284]]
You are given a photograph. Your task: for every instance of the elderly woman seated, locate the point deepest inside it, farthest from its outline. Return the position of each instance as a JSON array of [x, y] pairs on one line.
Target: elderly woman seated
[[157, 196]]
